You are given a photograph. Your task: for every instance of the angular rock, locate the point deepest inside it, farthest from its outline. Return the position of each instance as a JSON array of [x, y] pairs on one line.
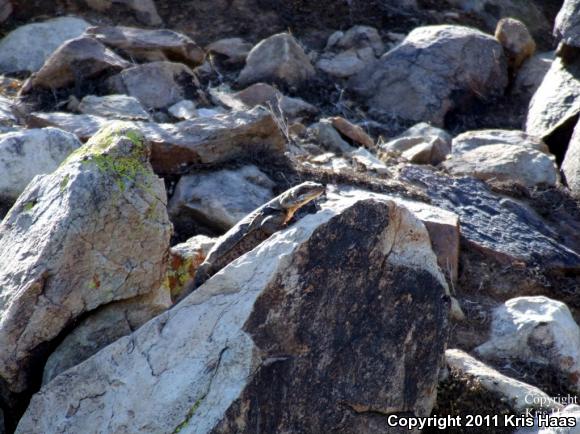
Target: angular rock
[[214, 139], [516, 41], [155, 84], [93, 232], [353, 132], [370, 163], [277, 59], [28, 47], [103, 327], [262, 343], [144, 10], [184, 109], [325, 134], [27, 153], [557, 100], [571, 164], [113, 107], [347, 63], [220, 199], [517, 395], [419, 149], [76, 60], [535, 329], [425, 129], [421, 79], [235, 50], [500, 227], [471, 140], [567, 26], [530, 76], [500, 162], [150, 45], [184, 260]]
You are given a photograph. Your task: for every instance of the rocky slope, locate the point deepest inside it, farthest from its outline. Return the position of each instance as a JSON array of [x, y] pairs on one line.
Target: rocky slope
[[438, 274]]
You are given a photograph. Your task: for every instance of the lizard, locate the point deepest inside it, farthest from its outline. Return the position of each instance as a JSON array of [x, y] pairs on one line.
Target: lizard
[[255, 228]]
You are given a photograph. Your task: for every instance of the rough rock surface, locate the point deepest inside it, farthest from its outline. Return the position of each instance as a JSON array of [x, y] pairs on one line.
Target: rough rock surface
[[531, 74], [25, 154], [277, 59], [40, 40], [83, 126], [571, 164], [219, 199], [506, 163], [501, 227], [93, 232], [150, 45], [113, 107], [155, 84], [567, 27], [234, 50], [535, 329], [419, 149], [353, 132], [516, 41], [76, 60], [7, 118], [557, 100], [471, 140], [325, 134], [267, 327], [422, 78], [184, 109]]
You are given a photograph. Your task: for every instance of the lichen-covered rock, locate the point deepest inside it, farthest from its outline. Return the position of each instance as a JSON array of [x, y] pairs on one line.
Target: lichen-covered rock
[[219, 199], [28, 47], [27, 153], [433, 71], [516, 41], [93, 232], [155, 84], [471, 140], [501, 162], [264, 345], [121, 107], [277, 59], [76, 60], [150, 45], [571, 163], [567, 26], [535, 330]]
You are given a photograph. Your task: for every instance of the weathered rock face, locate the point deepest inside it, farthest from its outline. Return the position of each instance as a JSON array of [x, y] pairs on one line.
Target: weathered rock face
[[76, 60], [516, 41], [261, 346], [155, 84], [499, 162], [40, 40], [144, 10], [7, 118], [571, 164], [28, 153], [93, 232], [567, 27], [150, 45], [423, 77], [531, 75], [113, 107], [277, 59], [539, 330], [471, 140], [500, 227], [557, 100]]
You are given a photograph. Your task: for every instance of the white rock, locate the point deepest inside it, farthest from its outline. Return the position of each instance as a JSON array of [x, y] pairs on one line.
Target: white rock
[[184, 109]]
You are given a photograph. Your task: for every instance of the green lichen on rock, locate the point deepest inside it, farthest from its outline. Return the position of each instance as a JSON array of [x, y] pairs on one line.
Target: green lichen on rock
[[189, 415]]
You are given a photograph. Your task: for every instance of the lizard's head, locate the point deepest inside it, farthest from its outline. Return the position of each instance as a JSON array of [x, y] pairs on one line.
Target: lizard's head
[[298, 196]]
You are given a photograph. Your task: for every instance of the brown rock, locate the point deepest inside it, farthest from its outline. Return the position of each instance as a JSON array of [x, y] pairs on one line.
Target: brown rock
[[516, 40], [353, 132]]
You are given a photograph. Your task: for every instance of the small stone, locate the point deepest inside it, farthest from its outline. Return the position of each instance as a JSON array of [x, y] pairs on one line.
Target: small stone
[[184, 109]]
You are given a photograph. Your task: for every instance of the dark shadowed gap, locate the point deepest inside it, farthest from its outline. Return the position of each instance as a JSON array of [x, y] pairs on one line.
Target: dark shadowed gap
[[558, 141]]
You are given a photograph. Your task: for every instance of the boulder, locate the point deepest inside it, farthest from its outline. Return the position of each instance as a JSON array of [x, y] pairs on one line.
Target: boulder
[[113, 107], [516, 41], [213, 139], [184, 109], [353, 132], [234, 50], [501, 228], [516, 395], [103, 327], [277, 59], [74, 61], [530, 76], [156, 84], [28, 47], [27, 153], [567, 26], [500, 162], [150, 45], [471, 140], [93, 232], [556, 102], [184, 260], [262, 343], [219, 199], [571, 163], [535, 330], [144, 10], [434, 70]]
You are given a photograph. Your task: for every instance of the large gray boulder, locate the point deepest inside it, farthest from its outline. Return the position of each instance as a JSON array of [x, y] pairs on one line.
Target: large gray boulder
[[433, 71], [28, 47], [265, 346], [567, 26], [93, 232], [471, 140], [277, 59], [27, 153]]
